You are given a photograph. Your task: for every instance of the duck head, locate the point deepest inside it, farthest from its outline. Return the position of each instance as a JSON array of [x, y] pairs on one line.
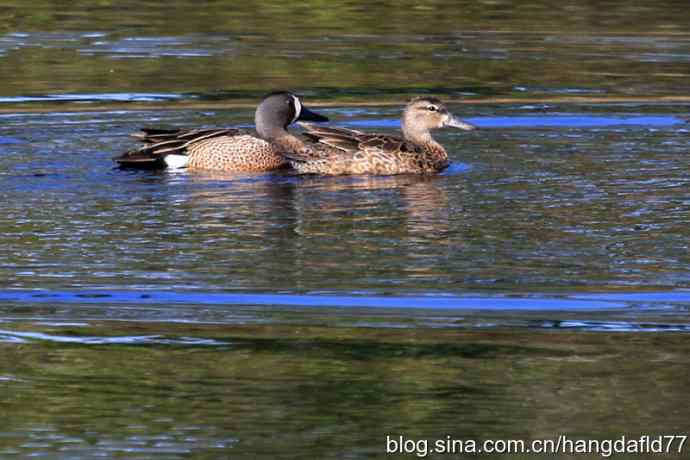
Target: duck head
[[422, 114], [278, 110]]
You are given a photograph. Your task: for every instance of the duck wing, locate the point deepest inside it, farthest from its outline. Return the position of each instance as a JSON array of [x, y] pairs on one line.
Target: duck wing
[[350, 141], [161, 142]]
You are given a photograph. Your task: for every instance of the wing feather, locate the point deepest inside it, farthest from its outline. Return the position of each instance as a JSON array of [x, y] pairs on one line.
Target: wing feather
[[161, 142], [352, 141]]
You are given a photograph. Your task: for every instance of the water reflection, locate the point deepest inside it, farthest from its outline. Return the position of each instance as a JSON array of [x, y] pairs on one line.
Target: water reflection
[[345, 51], [311, 223], [331, 393]]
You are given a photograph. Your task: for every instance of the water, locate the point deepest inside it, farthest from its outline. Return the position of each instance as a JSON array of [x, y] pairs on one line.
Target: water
[[539, 287], [344, 50]]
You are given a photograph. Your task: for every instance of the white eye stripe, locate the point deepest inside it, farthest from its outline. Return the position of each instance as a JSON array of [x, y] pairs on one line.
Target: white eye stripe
[[298, 108]]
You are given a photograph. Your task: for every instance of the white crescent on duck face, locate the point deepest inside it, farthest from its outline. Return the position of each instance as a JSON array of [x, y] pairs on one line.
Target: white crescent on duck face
[[298, 108], [220, 149], [336, 151]]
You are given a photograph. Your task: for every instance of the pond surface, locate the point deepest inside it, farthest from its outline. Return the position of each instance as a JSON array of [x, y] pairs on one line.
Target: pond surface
[[538, 287]]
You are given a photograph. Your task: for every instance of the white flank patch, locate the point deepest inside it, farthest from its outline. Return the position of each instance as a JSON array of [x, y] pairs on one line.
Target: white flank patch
[[176, 161], [298, 109]]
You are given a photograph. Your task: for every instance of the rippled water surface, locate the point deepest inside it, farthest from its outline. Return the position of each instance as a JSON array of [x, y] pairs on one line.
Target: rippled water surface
[[564, 199], [344, 49], [540, 286]]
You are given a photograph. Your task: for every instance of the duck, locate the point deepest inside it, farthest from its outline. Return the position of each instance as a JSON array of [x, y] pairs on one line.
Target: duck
[[222, 149], [341, 151]]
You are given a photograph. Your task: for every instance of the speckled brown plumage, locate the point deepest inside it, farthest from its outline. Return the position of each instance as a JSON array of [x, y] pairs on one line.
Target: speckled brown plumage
[[214, 149], [337, 151], [234, 153]]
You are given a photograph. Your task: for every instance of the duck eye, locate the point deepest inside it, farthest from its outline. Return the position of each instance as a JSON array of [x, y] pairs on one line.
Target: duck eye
[[432, 108]]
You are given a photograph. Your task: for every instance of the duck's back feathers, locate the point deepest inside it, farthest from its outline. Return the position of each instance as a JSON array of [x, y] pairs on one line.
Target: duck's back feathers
[[155, 135], [347, 140], [159, 143], [353, 141]]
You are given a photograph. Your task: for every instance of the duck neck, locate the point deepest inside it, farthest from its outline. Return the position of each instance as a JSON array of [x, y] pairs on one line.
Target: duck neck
[[422, 138], [287, 142], [269, 131]]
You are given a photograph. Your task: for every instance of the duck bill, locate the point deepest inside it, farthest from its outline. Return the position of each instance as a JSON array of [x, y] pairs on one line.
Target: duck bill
[[307, 115], [454, 122]]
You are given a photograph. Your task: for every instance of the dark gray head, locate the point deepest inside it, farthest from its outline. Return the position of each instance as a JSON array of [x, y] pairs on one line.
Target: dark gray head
[[277, 111], [422, 114]]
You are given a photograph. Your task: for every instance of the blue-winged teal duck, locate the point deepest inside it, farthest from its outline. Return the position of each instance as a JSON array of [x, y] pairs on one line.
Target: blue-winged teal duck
[[225, 149], [336, 151]]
